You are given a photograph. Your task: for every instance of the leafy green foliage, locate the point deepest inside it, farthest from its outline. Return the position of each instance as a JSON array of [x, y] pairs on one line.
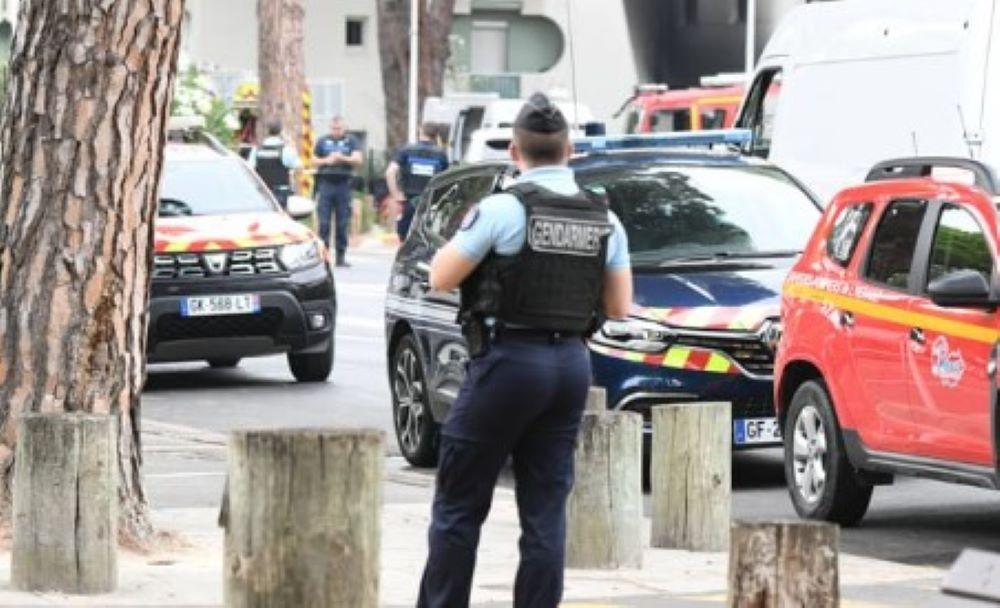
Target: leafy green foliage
[[195, 96]]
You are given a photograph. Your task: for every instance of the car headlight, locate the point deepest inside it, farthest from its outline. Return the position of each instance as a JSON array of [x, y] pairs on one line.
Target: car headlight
[[300, 255], [634, 334]]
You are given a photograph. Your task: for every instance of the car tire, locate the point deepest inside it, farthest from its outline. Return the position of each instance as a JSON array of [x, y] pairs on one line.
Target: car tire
[[224, 363], [417, 433], [312, 367], [821, 480]]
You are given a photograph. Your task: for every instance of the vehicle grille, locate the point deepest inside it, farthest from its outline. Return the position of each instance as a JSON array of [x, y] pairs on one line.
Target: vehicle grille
[[175, 327], [241, 262], [741, 409], [751, 353]]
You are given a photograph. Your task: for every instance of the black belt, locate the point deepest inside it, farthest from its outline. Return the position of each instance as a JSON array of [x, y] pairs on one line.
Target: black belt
[[525, 334]]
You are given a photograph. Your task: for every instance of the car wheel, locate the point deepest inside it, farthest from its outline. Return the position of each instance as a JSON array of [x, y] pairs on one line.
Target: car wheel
[[821, 480], [224, 363], [312, 367], [416, 431]]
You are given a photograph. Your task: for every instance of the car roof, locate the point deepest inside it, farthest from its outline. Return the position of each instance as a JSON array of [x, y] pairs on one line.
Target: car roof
[[594, 161], [176, 151]]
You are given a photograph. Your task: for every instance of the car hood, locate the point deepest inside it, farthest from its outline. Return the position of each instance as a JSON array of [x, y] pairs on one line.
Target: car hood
[[227, 232], [715, 299]]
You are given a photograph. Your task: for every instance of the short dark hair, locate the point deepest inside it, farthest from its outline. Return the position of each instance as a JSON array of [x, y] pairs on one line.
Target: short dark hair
[[429, 130], [274, 128], [541, 148]]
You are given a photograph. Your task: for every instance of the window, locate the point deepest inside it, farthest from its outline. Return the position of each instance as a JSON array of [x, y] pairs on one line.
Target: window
[[489, 47], [760, 110], [668, 121], [891, 255], [713, 118], [355, 31], [846, 232], [959, 244], [211, 188], [449, 205]]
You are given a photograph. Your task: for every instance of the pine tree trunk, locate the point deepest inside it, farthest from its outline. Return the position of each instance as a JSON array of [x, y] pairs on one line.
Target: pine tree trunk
[[394, 49], [82, 137], [281, 65]]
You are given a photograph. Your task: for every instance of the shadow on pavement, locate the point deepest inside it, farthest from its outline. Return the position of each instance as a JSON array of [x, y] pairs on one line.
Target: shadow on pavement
[[171, 377]]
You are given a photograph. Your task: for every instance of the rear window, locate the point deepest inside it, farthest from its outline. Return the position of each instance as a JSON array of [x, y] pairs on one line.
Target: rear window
[[219, 187], [669, 121], [676, 212]]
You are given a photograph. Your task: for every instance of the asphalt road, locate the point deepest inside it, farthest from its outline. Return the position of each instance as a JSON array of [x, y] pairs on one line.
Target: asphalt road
[[914, 521]]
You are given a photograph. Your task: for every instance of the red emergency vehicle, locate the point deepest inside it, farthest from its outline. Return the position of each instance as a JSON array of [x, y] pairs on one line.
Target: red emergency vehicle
[[888, 360], [656, 109]]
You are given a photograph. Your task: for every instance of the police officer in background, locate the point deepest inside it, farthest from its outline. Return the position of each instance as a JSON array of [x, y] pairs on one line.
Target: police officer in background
[[408, 174], [274, 160], [337, 156], [537, 265]]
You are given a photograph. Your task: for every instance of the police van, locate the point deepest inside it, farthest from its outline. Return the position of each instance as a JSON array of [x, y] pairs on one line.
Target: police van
[[708, 262]]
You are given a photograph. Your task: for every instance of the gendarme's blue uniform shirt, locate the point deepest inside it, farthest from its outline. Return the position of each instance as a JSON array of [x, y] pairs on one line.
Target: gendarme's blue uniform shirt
[[419, 162], [328, 144], [500, 222]]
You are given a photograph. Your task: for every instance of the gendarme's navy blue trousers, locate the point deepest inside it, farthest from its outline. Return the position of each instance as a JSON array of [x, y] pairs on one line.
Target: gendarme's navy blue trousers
[[522, 399]]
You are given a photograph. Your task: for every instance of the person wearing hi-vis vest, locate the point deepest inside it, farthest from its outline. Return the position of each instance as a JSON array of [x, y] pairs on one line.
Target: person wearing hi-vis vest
[[410, 171], [274, 160], [337, 156]]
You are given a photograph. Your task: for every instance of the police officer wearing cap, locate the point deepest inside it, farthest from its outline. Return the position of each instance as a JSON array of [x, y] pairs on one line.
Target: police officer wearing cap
[[538, 265], [410, 171], [273, 160]]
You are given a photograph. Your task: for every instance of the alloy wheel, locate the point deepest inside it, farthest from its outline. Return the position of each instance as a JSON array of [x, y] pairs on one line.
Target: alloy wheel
[[809, 453], [409, 388]]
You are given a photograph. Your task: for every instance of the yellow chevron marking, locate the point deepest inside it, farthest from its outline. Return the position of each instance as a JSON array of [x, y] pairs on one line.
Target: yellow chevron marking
[[177, 246], [717, 363], [892, 314], [676, 357]]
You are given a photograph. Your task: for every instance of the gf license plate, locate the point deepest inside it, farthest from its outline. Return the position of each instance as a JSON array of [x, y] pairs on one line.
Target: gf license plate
[[754, 431], [211, 306]]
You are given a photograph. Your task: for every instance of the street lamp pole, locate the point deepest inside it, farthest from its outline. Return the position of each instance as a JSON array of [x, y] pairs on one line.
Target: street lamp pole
[[414, 67], [751, 50]]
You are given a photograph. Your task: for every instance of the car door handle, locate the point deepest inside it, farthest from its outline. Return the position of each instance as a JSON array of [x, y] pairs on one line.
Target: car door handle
[[917, 335], [846, 318]]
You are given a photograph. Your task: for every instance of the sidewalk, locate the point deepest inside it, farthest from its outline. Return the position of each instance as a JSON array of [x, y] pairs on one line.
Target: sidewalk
[[192, 576]]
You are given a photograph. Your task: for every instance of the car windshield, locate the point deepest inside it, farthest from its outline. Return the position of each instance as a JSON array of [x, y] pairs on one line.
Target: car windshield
[[674, 214], [210, 188]]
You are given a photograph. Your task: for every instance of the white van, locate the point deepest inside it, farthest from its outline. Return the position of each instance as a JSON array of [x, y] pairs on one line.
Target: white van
[[844, 85], [492, 139]]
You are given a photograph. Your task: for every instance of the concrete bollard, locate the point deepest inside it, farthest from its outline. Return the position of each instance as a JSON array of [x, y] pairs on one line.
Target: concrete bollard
[[597, 400], [604, 511], [691, 476], [779, 564], [303, 517], [66, 504]]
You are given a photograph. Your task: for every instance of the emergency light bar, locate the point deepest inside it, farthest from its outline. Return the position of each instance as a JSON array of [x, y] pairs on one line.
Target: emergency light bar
[[688, 139]]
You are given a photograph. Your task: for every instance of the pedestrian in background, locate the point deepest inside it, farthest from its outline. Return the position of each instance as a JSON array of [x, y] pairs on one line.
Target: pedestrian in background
[[409, 172], [337, 156], [275, 160], [528, 299]]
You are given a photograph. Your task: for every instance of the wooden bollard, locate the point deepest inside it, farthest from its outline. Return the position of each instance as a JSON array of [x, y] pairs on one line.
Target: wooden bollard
[[302, 516], [604, 512], [66, 504], [691, 476], [784, 564]]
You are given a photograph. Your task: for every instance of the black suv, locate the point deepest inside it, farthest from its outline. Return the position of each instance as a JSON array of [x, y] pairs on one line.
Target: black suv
[[234, 275]]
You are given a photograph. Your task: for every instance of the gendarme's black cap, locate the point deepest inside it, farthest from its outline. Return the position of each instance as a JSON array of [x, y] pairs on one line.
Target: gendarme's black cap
[[539, 115]]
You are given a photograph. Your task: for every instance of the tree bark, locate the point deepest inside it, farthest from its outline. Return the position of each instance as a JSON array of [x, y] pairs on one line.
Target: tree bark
[[394, 49], [82, 137], [281, 65]]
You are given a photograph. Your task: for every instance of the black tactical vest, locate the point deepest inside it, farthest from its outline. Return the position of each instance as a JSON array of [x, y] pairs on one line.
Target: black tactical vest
[[271, 168], [423, 161], [555, 282]]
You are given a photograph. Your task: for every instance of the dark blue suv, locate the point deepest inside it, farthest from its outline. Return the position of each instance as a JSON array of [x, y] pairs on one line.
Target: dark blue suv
[[711, 236]]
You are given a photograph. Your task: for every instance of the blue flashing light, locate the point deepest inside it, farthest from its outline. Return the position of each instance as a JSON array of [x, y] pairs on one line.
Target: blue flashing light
[[689, 139]]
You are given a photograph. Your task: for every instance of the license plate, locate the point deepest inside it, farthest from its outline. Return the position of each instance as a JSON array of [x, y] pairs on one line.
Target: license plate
[[751, 431], [210, 306]]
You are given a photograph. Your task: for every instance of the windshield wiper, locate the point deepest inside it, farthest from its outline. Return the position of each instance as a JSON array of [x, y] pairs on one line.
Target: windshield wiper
[[723, 256], [172, 207]]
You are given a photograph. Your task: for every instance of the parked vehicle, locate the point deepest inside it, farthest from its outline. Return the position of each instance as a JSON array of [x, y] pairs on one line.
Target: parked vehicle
[[843, 85], [889, 357], [491, 140], [657, 109], [708, 259], [234, 275]]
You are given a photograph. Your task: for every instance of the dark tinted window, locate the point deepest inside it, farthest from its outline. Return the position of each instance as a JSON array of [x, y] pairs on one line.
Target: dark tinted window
[[846, 232], [713, 119], [665, 121], [672, 213], [211, 188], [959, 244], [892, 246], [449, 204], [355, 32], [760, 110]]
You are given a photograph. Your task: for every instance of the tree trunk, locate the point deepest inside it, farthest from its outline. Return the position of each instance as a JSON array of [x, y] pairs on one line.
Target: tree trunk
[[281, 65], [394, 49], [82, 137]]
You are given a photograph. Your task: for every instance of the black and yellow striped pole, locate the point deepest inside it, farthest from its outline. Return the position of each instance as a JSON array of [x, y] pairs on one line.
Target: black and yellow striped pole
[[306, 178]]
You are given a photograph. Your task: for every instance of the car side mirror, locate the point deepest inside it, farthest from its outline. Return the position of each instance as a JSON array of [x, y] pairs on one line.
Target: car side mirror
[[962, 288], [300, 207]]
